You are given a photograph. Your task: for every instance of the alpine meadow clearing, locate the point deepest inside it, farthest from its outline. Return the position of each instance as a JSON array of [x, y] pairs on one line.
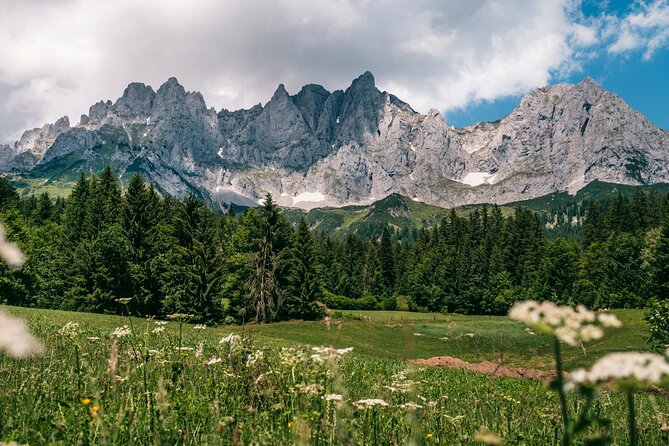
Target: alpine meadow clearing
[[105, 379]]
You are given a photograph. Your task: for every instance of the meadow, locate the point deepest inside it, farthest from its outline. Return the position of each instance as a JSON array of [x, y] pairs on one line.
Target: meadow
[[155, 382]]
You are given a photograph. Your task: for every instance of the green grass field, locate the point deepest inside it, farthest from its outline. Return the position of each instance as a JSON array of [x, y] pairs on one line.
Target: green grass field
[[159, 394]]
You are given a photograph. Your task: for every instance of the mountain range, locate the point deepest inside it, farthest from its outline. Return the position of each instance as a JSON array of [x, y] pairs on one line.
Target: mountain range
[[318, 148]]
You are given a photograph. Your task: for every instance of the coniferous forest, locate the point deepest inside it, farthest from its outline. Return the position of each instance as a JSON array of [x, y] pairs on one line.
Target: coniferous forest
[[104, 243]]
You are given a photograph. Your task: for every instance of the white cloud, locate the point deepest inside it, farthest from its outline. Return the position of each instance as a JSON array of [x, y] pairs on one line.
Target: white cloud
[[644, 28], [59, 57]]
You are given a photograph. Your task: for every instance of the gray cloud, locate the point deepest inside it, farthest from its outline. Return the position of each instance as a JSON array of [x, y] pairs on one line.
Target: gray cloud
[[59, 57]]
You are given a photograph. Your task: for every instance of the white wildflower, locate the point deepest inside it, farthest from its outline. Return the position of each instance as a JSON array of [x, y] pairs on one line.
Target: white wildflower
[[410, 406], [214, 360], [570, 325], [199, 350], [93, 338], [609, 320], [161, 323], [333, 397], [253, 358], [124, 300], [158, 329], [70, 330], [309, 389], [120, 332], [628, 367], [291, 357], [9, 252], [230, 339], [418, 334], [199, 327], [184, 349], [370, 403], [16, 339], [328, 353]]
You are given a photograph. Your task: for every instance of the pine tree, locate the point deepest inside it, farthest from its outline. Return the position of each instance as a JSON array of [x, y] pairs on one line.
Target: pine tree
[[305, 282], [140, 219], [192, 280], [387, 263]]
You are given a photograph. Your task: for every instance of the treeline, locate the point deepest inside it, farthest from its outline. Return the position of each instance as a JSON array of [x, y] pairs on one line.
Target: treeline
[[169, 256], [177, 256]]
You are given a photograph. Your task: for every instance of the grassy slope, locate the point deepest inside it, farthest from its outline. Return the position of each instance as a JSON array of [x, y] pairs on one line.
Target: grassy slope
[[390, 335]]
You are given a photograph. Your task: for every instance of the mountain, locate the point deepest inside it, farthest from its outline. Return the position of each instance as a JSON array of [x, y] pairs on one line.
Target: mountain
[[353, 147]]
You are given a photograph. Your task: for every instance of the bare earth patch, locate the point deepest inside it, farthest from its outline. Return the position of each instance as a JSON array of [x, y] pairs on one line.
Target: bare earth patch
[[486, 367]]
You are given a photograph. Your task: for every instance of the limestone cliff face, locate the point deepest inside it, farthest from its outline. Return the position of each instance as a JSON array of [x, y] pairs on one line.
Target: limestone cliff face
[[319, 148]]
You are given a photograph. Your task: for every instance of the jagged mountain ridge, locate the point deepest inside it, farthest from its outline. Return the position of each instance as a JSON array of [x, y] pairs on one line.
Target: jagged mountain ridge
[[355, 146]]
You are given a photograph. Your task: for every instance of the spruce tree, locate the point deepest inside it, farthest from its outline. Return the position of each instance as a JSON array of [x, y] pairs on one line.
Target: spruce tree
[[305, 287]]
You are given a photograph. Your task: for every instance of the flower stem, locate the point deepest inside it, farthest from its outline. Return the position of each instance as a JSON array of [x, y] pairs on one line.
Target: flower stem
[[631, 418], [559, 384]]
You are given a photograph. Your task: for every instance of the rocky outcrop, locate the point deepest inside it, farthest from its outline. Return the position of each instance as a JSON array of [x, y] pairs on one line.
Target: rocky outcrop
[[358, 145]]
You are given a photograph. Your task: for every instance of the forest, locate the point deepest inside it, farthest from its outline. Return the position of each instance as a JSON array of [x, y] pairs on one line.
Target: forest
[[107, 243]]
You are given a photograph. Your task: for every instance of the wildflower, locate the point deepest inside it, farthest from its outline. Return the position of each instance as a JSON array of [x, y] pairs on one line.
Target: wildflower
[[254, 358], [122, 378], [214, 360], [370, 403], [70, 330], [181, 317], [9, 252], [184, 349], [328, 353], [16, 339], [411, 406], [158, 329], [199, 350], [86, 401], [230, 339], [120, 332], [629, 369], [569, 325], [95, 409], [418, 334], [161, 323], [428, 436], [291, 357], [199, 327], [124, 300], [93, 338], [333, 397], [529, 331]]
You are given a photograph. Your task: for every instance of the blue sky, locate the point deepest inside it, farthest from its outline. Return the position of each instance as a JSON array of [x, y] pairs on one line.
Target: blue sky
[[470, 59], [643, 82]]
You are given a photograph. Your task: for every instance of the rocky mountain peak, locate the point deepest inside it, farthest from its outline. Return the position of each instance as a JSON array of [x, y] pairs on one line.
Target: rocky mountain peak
[[137, 100], [363, 83]]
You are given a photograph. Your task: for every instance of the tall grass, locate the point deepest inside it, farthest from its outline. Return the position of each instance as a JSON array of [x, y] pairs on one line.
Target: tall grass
[[160, 387]]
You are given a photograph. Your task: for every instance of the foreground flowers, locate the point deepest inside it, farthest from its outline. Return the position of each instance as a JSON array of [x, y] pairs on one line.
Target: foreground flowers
[[570, 325], [16, 339], [629, 369]]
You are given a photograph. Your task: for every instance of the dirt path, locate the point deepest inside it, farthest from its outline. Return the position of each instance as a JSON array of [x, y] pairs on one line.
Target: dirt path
[[486, 367]]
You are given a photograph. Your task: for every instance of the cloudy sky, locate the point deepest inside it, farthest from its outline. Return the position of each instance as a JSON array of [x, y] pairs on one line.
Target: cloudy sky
[[469, 58]]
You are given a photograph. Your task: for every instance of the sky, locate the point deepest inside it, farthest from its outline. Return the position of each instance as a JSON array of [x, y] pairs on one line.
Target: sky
[[470, 59]]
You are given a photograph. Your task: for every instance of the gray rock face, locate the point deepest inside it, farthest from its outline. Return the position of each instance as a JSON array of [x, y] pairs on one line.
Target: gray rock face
[[359, 145]]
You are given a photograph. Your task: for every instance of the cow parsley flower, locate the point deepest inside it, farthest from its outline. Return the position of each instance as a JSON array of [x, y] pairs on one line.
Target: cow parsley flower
[[323, 354], [370, 403], [120, 332], [230, 339], [570, 325], [628, 368], [199, 327], [70, 330], [214, 360], [16, 339], [333, 397]]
